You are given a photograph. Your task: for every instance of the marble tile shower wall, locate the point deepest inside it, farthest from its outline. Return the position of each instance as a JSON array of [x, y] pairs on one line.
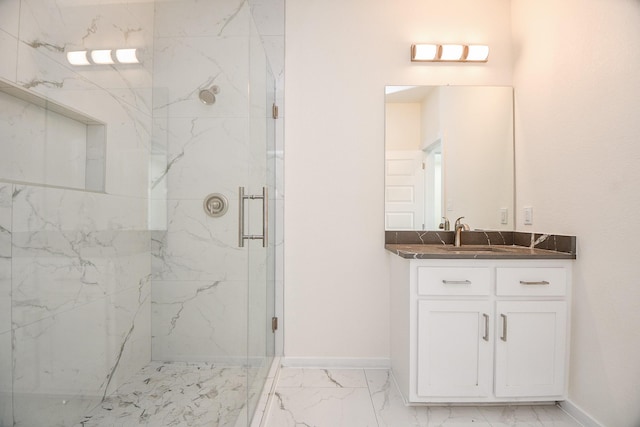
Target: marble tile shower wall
[[75, 266], [6, 373], [199, 292], [76, 318]]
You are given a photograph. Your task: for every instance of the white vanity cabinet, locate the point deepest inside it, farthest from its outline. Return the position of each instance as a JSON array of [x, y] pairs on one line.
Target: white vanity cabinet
[[489, 330]]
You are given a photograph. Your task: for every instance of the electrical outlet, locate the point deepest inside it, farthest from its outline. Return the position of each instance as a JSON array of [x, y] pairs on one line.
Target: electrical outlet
[[528, 215]]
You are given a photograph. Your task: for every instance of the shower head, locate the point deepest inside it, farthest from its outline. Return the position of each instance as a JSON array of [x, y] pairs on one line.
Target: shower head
[[208, 96]]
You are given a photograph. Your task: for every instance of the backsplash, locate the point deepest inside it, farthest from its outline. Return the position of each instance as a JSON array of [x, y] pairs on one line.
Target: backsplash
[[553, 242]]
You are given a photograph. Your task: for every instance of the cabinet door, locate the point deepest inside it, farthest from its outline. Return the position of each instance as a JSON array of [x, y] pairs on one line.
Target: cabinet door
[[454, 348], [530, 348]]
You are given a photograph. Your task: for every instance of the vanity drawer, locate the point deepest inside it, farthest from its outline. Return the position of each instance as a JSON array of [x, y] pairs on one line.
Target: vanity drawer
[[531, 281], [454, 281]]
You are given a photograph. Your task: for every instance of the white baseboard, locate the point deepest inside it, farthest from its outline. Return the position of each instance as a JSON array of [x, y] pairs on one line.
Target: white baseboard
[[579, 414], [336, 363]]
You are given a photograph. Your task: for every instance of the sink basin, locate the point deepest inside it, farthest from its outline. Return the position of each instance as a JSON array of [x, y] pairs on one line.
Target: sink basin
[[471, 249]]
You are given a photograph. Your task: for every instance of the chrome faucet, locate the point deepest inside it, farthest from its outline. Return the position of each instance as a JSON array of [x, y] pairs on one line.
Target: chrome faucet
[[459, 227]]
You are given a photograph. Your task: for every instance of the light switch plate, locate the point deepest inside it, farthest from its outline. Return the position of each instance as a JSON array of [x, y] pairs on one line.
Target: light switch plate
[[504, 216], [528, 215]]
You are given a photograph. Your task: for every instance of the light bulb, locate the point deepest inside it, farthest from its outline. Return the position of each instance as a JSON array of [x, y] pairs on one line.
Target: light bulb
[[477, 52], [451, 52], [101, 56], [424, 52], [78, 58], [127, 56]]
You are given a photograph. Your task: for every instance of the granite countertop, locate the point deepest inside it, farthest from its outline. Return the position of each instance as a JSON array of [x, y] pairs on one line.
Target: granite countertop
[[440, 251], [479, 244]]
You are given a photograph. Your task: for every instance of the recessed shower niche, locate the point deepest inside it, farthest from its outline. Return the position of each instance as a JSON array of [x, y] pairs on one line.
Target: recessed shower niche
[[46, 143]]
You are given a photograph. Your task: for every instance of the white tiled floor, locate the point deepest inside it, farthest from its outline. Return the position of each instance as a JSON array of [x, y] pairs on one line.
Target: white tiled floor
[[369, 398]]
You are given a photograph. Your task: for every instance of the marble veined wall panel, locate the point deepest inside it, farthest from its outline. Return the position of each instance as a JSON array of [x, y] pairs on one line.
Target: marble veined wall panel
[[9, 10], [185, 65], [72, 247], [9, 25], [206, 155], [6, 191], [198, 247], [117, 95], [128, 135], [80, 262], [80, 300], [268, 16], [9, 47], [206, 149], [200, 320], [49, 209], [41, 146], [125, 113], [6, 380], [55, 28], [50, 29], [185, 18], [65, 364], [6, 374]]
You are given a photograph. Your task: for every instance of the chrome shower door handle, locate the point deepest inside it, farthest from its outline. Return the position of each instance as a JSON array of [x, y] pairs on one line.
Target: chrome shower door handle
[[241, 217], [265, 217]]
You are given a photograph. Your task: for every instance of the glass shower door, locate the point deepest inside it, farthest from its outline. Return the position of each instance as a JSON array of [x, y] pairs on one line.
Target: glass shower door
[[212, 297], [260, 221]]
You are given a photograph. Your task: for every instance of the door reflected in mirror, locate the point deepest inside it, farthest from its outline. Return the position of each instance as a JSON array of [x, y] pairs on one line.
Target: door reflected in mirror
[[449, 153]]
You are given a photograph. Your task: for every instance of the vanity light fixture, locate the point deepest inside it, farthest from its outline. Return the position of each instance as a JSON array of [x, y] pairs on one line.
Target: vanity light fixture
[[449, 53], [104, 57]]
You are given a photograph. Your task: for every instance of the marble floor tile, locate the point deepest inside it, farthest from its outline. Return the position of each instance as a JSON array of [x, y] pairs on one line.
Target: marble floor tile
[[201, 394], [314, 406], [332, 378], [388, 404], [175, 394], [527, 416], [333, 398]]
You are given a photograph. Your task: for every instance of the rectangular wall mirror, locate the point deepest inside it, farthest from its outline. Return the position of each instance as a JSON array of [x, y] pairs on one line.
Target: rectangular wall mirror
[[449, 152]]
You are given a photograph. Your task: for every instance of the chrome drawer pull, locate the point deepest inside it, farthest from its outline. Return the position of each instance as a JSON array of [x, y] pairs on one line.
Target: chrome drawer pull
[[542, 282], [456, 282], [504, 328], [486, 327]]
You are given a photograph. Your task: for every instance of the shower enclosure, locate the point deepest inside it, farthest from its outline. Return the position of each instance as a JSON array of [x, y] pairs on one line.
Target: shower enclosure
[[111, 264]]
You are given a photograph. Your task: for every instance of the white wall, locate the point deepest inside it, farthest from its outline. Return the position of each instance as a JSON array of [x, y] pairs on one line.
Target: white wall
[[339, 57], [402, 126], [431, 129], [577, 92]]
